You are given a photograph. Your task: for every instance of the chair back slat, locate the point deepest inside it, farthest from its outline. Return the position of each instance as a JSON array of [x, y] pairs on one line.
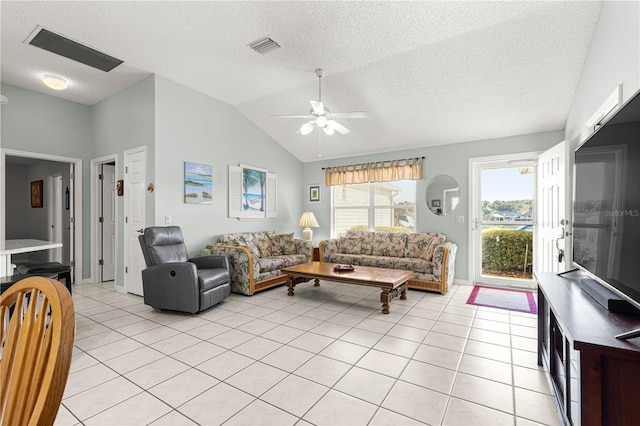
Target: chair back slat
[[38, 323]]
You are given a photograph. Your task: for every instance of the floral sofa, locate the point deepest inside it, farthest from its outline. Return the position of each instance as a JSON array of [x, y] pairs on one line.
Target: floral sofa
[[428, 255], [256, 258]]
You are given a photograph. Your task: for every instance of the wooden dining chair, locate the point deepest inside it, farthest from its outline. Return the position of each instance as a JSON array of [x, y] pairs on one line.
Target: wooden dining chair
[[37, 331]]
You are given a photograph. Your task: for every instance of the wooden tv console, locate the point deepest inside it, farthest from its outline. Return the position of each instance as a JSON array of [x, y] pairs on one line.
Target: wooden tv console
[[595, 377]]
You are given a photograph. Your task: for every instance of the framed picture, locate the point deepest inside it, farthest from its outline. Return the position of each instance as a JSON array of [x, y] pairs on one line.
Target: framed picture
[[36, 193], [314, 193], [198, 185], [252, 192]]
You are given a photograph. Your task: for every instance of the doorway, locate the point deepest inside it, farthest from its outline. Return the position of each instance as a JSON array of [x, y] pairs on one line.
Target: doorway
[[104, 208], [72, 221], [502, 206], [55, 215]]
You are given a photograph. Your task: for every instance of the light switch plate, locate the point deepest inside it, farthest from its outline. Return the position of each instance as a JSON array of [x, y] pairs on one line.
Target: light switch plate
[[167, 219], [460, 219]]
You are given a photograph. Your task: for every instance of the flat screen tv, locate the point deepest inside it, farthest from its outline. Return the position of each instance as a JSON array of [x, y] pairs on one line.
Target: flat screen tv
[[606, 207]]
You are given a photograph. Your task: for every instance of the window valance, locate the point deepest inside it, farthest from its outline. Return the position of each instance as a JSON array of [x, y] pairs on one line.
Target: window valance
[[381, 171]]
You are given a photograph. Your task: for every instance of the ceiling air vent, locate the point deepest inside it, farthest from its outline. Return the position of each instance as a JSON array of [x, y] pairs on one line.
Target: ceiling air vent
[[63, 46], [264, 45]]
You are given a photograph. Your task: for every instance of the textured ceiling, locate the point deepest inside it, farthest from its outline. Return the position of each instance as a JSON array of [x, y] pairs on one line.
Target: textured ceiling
[[428, 73]]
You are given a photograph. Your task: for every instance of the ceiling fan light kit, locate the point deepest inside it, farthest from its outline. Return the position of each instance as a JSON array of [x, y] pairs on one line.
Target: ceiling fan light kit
[[321, 116]]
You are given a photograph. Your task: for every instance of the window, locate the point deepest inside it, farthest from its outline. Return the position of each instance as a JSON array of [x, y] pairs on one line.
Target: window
[[379, 206]]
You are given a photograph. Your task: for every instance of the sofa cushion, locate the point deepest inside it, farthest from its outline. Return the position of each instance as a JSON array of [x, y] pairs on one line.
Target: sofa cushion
[[343, 258], [376, 261], [240, 239], [282, 244], [268, 264], [351, 245], [413, 264], [389, 244], [422, 245], [262, 241], [366, 240]]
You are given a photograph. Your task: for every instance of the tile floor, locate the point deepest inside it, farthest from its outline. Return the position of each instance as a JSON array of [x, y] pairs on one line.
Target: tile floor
[[326, 356]]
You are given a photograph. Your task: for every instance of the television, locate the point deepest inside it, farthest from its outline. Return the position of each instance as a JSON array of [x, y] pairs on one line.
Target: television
[[606, 204]]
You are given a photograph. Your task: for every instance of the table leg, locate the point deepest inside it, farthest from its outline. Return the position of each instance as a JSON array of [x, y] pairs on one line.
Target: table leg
[[316, 282], [291, 282], [385, 298], [403, 291]]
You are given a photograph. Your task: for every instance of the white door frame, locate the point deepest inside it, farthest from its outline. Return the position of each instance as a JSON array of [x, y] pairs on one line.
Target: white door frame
[[76, 216], [474, 194], [54, 214], [95, 216]]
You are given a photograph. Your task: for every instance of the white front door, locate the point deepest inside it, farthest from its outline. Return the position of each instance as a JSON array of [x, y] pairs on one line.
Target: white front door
[[108, 222], [135, 211], [551, 215], [502, 207]]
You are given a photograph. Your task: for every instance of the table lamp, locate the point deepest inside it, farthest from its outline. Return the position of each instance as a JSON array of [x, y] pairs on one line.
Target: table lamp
[[308, 221]]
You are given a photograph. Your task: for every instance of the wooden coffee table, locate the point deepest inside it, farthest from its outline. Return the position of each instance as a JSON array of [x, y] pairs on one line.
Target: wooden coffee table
[[393, 282]]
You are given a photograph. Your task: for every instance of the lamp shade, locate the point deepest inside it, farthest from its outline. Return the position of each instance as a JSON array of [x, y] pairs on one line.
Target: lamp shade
[[308, 220]]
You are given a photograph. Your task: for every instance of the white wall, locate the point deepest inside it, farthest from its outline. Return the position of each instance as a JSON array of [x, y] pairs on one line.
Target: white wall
[[613, 58], [123, 121], [452, 160], [38, 123], [194, 127]]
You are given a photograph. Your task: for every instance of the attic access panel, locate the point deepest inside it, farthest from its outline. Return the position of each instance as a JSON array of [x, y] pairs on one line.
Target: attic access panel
[[63, 46]]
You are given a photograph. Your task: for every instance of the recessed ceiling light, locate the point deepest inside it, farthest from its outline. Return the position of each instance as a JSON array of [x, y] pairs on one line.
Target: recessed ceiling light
[[54, 82]]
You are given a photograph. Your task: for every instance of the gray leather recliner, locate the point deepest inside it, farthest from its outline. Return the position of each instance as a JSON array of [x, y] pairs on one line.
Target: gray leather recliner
[[173, 281]]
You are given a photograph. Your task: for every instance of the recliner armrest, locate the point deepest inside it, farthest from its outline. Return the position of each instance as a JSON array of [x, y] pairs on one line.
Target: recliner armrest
[[211, 262]]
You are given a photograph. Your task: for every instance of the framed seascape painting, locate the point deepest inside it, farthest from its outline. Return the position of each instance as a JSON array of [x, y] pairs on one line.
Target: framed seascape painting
[[198, 183], [254, 192], [314, 193]]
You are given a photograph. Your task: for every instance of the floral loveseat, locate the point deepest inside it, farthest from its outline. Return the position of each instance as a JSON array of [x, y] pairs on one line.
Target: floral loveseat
[[428, 255], [256, 258]]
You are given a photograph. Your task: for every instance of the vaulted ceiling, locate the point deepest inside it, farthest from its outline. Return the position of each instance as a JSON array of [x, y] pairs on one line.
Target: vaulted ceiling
[[428, 73]]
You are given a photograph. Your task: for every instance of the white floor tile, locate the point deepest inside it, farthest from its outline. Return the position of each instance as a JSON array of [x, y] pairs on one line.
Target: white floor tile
[[323, 370], [295, 394], [336, 408], [366, 385], [256, 379], [216, 405], [140, 409], [261, 413], [181, 388], [326, 356]]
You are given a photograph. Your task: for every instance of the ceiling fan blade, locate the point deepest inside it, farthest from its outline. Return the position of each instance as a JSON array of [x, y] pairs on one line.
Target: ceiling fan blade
[[352, 114], [318, 107], [291, 116], [338, 127]]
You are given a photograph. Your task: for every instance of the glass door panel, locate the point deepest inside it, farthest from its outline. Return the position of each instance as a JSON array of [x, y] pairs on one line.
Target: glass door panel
[[505, 225]]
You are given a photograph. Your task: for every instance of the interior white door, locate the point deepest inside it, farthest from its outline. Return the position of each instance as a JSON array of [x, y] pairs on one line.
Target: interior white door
[[55, 216], [108, 223], [135, 211], [551, 215]]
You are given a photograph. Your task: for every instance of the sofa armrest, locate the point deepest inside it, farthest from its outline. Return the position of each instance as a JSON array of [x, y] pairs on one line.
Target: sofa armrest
[[243, 266], [327, 248], [211, 262], [172, 286], [304, 247], [444, 259]]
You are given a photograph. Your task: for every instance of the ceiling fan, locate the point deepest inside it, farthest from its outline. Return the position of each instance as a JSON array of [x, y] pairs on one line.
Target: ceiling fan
[[321, 116]]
